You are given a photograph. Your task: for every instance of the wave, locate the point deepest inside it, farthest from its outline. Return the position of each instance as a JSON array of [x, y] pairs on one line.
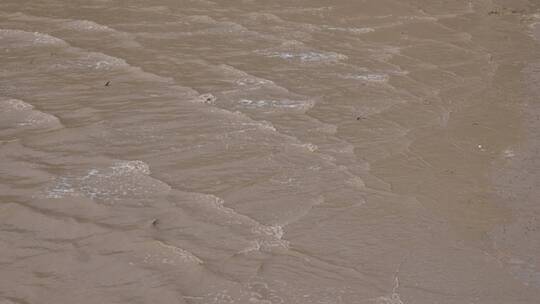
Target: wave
[[123, 180], [84, 29], [354, 30], [294, 50], [262, 237], [17, 114], [12, 38], [369, 77], [304, 57], [86, 25], [159, 252], [74, 58], [275, 104]]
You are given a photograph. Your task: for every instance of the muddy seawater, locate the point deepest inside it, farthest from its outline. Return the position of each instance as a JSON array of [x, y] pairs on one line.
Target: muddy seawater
[[248, 151]]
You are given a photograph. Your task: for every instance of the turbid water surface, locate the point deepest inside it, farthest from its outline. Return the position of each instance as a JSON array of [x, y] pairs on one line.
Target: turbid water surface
[[370, 151]]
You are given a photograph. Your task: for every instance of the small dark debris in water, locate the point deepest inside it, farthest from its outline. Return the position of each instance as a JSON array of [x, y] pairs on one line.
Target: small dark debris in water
[[491, 13], [520, 12], [108, 83], [475, 124], [155, 222], [360, 117]]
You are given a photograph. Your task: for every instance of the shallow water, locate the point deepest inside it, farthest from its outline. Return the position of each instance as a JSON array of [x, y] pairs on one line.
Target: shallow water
[[269, 152]]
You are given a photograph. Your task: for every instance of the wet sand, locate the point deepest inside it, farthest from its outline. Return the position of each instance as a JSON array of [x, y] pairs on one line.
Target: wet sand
[[256, 152]]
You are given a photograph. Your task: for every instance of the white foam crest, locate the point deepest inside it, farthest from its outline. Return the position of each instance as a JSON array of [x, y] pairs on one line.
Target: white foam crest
[[294, 50], [18, 38], [272, 236], [279, 104], [122, 180], [422, 18], [355, 30], [62, 188], [222, 30], [253, 81], [266, 236], [257, 16], [267, 243], [255, 291], [247, 81], [17, 113], [93, 61], [263, 124], [14, 105], [232, 71], [85, 60], [218, 204], [261, 293], [308, 56], [207, 98], [86, 25], [38, 118], [156, 253], [100, 61], [132, 166], [308, 146], [370, 77], [177, 253], [393, 298], [247, 121], [274, 231]]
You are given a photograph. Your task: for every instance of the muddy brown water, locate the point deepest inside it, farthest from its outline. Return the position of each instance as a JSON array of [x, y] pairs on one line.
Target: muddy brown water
[[250, 151]]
